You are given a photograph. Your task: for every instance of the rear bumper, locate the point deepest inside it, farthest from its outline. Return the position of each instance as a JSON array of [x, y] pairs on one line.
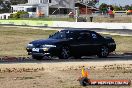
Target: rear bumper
[[112, 48]]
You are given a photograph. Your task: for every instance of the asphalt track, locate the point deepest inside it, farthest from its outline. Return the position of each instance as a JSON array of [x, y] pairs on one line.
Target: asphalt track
[[112, 58], [119, 31]]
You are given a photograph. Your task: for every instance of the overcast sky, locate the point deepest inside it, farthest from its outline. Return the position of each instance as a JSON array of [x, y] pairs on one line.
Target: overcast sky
[[117, 2]]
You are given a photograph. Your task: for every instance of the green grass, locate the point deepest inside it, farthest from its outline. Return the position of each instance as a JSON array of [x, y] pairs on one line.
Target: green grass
[[47, 19], [13, 40]]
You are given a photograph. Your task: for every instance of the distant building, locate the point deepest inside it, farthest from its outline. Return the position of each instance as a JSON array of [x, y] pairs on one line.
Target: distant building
[[5, 16], [84, 9], [42, 8], [34, 10], [37, 8]]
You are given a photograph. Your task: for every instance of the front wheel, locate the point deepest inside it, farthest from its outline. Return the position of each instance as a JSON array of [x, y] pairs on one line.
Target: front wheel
[[65, 53], [103, 52]]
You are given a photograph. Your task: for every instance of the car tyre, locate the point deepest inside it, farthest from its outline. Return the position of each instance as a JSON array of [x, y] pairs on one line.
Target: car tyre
[[37, 57], [103, 52], [65, 53]]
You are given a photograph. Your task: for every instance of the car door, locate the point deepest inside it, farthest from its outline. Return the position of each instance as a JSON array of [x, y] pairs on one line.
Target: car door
[[96, 40], [86, 46], [74, 43]]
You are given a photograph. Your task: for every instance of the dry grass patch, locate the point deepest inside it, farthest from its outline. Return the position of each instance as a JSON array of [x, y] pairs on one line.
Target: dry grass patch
[[124, 44], [14, 40], [117, 19]]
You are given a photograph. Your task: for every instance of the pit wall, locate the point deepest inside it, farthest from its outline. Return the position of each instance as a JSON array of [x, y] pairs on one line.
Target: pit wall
[[68, 24]]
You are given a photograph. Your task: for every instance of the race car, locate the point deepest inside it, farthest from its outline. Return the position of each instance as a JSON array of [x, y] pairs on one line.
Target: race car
[[72, 43]]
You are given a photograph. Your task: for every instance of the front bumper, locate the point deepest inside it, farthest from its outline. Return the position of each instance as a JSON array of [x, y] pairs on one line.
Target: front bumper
[[43, 51], [39, 54]]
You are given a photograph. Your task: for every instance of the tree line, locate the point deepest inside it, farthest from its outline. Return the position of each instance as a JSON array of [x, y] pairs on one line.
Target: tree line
[[104, 6]]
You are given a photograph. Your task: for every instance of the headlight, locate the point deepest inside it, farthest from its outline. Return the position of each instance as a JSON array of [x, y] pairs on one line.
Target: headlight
[[49, 46], [30, 45], [45, 49]]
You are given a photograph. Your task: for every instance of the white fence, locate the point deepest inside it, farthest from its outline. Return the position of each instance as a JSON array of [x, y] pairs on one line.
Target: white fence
[[93, 25], [68, 24]]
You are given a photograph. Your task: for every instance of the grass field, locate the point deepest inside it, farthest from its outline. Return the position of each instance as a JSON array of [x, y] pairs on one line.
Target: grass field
[[117, 19], [14, 40]]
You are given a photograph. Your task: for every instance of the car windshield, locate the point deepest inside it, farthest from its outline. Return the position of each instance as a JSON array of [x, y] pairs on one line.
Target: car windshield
[[62, 35]]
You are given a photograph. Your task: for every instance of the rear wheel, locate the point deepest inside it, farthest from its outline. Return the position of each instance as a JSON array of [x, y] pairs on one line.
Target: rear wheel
[[37, 57], [103, 52], [65, 53]]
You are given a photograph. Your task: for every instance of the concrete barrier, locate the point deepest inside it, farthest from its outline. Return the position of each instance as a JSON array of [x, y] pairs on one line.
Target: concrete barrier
[[93, 25], [68, 24]]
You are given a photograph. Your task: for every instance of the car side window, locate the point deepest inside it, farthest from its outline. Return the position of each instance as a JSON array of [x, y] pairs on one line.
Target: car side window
[[59, 35], [84, 36], [96, 37], [71, 35]]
